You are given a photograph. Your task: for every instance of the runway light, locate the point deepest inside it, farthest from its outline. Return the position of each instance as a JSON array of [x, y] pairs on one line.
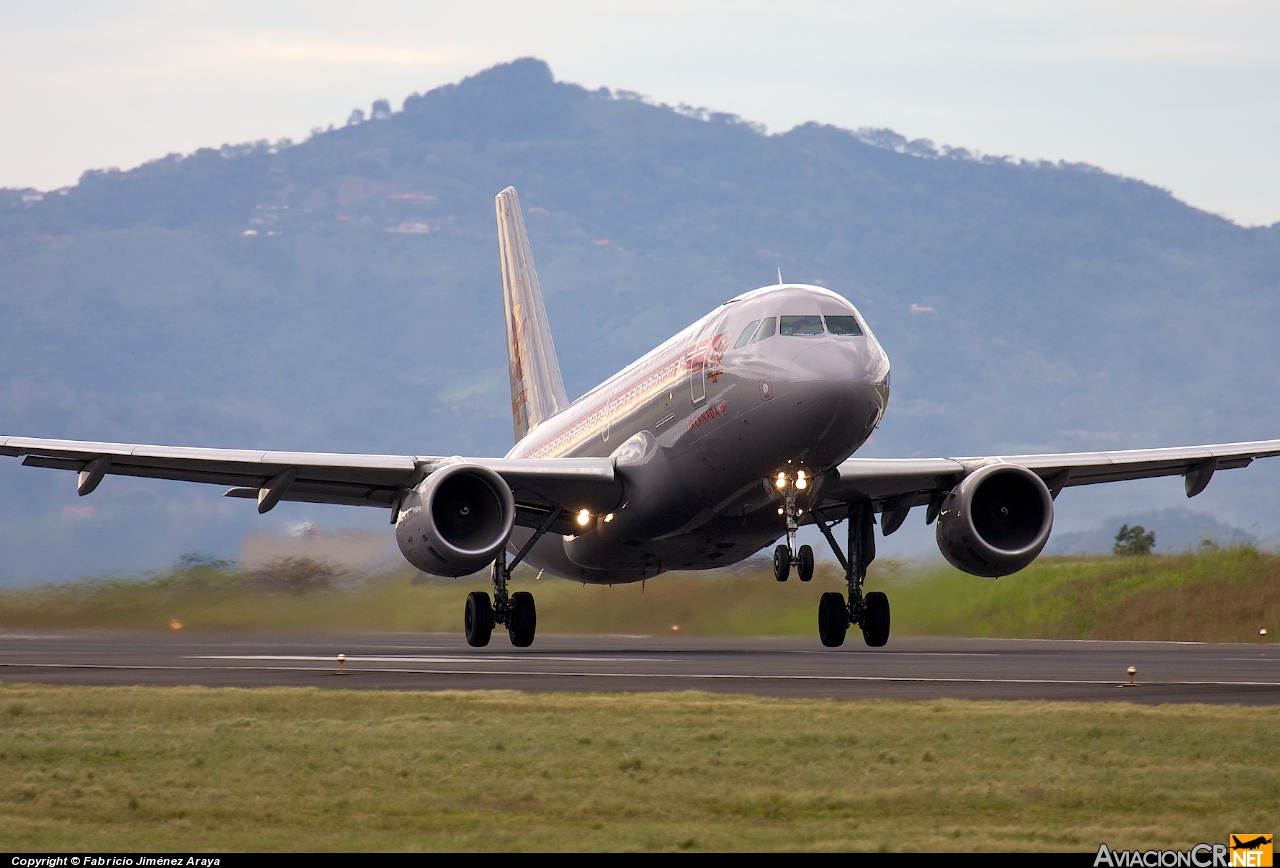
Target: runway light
[[608, 518], [342, 664], [175, 624], [1263, 632], [584, 517]]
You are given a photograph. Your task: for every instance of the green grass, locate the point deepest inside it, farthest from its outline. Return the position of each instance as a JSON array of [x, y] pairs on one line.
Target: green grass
[[1223, 596], [284, 769], [1220, 596]]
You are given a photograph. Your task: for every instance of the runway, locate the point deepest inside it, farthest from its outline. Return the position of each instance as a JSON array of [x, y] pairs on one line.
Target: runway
[[908, 668]]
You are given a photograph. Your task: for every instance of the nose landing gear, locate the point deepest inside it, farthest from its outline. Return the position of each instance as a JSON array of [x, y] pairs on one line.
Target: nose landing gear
[[787, 556], [871, 611]]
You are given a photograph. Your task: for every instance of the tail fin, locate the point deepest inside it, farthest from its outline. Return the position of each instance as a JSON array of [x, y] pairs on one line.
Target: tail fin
[[537, 390]]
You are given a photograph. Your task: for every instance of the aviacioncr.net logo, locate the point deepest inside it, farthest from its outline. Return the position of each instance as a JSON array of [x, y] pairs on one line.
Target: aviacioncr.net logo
[[1243, 851], [1199, 856]]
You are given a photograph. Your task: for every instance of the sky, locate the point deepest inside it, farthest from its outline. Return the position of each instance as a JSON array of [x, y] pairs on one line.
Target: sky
[[1183, 95]]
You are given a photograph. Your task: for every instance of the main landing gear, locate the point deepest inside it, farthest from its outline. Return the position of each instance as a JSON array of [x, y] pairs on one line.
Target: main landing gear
[[787, 556], [516, 611], [869, 611]]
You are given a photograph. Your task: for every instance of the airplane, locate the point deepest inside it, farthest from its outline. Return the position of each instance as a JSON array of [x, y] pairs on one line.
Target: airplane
[[726, 438], [1251, 844]]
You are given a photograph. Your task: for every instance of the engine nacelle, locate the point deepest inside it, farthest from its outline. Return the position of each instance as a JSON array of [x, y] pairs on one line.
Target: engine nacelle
[[456, 521], [996, 521]]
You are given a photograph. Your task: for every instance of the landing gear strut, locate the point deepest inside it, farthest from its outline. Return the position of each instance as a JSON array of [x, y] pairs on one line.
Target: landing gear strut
[[516, 610], [787, 556], [871, 611]]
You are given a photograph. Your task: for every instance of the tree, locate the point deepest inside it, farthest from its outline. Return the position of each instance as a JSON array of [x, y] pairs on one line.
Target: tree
[[357, 117], [1135, 540]]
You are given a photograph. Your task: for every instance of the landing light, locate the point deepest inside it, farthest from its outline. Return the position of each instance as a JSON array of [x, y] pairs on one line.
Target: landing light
[[584, 517], [608, 518], [802, 483], [781, 481]]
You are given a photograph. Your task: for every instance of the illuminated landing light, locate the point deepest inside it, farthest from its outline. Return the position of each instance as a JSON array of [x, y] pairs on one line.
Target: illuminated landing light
[[800, 474], [584, 517], [781, 481], [608, 518], [802, 483], [779, 510]]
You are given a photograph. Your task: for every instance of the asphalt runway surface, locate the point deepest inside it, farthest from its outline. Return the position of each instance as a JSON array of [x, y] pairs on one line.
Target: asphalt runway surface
[[907, 668]]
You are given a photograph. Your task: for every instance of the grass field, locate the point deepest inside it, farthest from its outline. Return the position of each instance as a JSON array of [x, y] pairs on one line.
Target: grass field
[[277, 769], [1223, 596]]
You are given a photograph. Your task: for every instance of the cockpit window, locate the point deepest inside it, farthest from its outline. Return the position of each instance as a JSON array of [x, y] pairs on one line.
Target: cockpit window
[[746, 333], [800, 325], [767, 328], [843, 325]]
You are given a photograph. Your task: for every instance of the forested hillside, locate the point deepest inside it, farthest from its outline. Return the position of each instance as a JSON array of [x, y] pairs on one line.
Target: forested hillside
[[342, 294]]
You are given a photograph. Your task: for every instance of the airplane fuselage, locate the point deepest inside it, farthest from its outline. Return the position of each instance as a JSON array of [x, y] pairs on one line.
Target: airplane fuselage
[[784, 377]]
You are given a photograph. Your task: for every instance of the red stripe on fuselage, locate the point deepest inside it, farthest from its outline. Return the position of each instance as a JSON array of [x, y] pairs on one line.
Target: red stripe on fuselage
[[626, 397]]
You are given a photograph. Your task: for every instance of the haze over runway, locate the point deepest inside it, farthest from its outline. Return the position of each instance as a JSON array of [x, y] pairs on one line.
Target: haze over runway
[[910, 668]]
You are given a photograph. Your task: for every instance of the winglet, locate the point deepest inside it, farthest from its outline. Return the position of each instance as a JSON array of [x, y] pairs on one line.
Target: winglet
[[537, 390]]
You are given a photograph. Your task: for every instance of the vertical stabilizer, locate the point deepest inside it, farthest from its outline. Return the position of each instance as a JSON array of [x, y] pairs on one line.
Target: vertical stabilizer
[[537, 391]]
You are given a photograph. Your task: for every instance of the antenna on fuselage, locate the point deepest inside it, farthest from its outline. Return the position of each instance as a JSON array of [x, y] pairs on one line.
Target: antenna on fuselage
[[779, 275]]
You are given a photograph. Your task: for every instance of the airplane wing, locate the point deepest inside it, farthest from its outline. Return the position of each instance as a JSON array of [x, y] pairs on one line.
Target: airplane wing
[[319, 477], [894, 485]]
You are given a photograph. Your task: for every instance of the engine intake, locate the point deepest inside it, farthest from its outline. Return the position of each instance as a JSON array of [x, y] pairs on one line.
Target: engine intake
[[996, 521], [456, 521]]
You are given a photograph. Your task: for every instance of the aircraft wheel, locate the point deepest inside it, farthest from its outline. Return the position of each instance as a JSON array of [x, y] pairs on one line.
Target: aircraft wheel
[[805, 569], [875, 622], [478, 620], [781, 563], [522, 619], [833, 619]]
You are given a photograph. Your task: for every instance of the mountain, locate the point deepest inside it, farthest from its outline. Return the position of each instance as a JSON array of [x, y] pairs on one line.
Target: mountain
[[1176, 530], [342, 294]]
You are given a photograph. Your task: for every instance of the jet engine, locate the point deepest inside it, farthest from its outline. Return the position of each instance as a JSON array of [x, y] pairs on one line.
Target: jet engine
[[996, 521], [456, 521]]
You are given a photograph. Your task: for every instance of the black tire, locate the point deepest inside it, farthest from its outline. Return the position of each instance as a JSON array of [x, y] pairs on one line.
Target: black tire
[[805, 569], [522, 619], [477, 623], [833, 619], [781, 563], [875, 622]]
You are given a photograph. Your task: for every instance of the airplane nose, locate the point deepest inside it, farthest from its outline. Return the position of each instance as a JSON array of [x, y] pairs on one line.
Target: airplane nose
[[853, 373], [832, 361]]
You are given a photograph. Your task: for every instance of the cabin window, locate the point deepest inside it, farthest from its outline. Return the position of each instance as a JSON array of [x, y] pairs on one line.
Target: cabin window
[[800, 325], [843, 325], [746, 333], [767, 328]]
